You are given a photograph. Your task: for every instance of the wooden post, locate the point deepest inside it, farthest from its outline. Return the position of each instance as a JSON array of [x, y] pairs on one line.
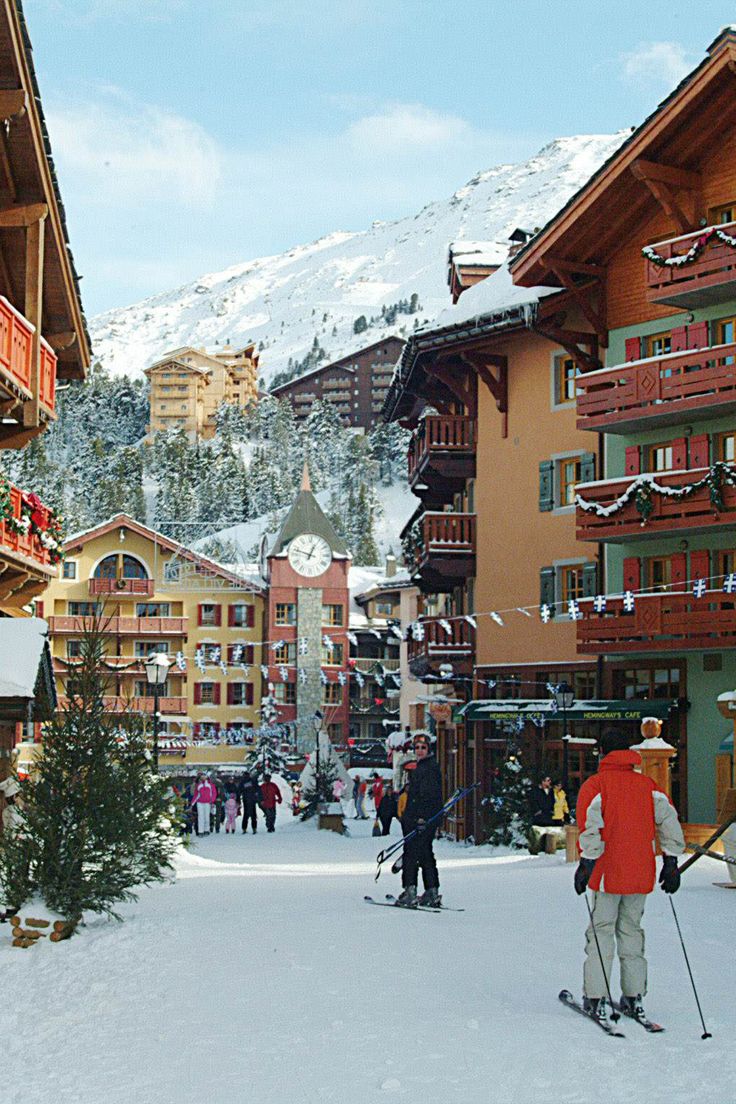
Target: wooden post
[[656, 755], [33, 310]]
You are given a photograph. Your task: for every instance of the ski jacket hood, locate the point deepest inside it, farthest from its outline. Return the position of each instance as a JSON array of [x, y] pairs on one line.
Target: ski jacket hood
[[620, 760]]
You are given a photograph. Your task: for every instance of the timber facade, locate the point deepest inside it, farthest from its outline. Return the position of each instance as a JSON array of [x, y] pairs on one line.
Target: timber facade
[[188, 387]]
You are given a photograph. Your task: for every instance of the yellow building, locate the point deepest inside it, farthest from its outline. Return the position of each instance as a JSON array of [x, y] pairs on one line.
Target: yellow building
[[156, 596], [188, 386]]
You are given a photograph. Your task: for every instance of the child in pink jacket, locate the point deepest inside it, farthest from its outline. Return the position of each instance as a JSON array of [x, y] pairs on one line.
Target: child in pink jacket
[[231, 811]]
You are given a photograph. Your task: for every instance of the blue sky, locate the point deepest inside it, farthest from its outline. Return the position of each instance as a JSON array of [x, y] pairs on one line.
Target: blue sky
[[193, 134]]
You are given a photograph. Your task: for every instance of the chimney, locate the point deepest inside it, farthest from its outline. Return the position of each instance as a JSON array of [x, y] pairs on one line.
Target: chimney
[[390, 565]]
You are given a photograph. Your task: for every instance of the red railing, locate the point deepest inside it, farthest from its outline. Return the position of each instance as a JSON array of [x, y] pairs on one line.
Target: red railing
[[443, 645], [448, 534], [451, 433], [121, 586], [669, 514], [715, 266], [659, 387], [16, 345], [659, 623], [47, 388], [26, 543], [137, 705], [111, 626]]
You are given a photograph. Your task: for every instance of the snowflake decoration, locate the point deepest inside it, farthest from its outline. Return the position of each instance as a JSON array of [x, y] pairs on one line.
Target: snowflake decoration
[[199, 660], [496, 617], [181, 663], [471, 621], [327, 641], [359, 679], [303, 676], [629, 601], [323, 678], [417, 630], [545, 613], [573, 610], [276, 645], [237, 653], [445, 624], [599, 603], [699, 587], [353, 639], [729, 583], [284, 672], [264, 670], [303, 645], [342, 677]]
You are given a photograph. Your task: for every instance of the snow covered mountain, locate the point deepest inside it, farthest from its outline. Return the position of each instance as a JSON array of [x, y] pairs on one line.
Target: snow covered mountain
[[317, 291]]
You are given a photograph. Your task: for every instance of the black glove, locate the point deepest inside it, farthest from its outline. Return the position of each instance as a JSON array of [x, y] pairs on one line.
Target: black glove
[[669, 875], [582, 875]]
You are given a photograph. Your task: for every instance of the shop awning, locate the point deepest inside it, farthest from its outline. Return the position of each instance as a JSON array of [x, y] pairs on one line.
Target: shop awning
[[505, 709]]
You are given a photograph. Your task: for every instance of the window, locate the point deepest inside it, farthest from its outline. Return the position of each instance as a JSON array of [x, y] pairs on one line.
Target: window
[[332, 694], [570, 474], [240, 693], [285, 693], [659, 344], [73, 649], [144, 648], [69, 569], [657, 571], [209, 614], [245, 654], [725, 332], [571, 582], [152, 609], [143, 689], [332, 655], [566, 372], [384, 608], [726, 447], [82, 609], [332, 615], [285, 653], [660, 458], [241, 616], [726, 212], [208, 692], [285, 613], [107, 568]]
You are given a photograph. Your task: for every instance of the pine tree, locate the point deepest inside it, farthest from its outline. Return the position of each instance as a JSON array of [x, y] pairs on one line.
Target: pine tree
[[507, 809], [95, 821], [319, 788], [266, 757]]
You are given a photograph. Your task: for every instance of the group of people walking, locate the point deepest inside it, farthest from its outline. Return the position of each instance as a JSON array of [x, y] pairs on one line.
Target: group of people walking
[[212, 803]]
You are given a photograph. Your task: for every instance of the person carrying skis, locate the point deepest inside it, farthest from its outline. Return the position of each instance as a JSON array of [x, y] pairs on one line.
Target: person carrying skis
[[424, 801], [620, 814]]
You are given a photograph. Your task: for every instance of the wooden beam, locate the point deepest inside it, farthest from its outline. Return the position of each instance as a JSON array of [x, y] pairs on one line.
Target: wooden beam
[[33, 311], [497, 384], [596, 316], [666, 174], [669, 204], [575, 266], [23, 215], [63, 340], [13, 101], [569, 340]]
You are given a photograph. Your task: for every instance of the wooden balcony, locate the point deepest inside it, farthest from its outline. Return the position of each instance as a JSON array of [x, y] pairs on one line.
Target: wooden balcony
[[708, 279], [17, 378], [121, 586], [441, 457], [659, 391], [693, 514], [444, 554], [659, 623], [26, 565], [137, 705], [438, 646], [121, 626]]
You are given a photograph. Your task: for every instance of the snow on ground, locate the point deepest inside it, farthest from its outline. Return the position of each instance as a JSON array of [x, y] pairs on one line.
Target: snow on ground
[[261, 975]]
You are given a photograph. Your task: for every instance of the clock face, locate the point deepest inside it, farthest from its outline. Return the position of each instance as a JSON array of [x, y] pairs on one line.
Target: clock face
[[309, 554]]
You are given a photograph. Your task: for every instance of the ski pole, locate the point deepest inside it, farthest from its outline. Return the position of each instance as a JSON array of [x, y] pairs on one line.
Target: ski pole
[[706, 1034], [383, 856], [614, 1014]]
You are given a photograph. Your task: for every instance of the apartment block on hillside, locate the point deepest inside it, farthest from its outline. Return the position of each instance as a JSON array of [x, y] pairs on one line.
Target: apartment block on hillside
[[188, 386]]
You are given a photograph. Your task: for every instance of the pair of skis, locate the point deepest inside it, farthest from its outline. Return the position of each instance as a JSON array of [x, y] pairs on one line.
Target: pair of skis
[[391, 902], [569, 1001]]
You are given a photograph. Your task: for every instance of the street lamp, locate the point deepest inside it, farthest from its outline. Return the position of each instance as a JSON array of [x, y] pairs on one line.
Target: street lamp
[[317, 722], [157, 670], [564, 697]]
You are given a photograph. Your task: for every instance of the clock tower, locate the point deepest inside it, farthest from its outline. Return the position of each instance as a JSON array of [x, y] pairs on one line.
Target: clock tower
[[308, 609]]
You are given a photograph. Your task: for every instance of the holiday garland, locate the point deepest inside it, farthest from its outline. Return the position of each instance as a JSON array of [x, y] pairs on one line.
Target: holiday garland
[[40, 520], [693, 252], [644, 487]]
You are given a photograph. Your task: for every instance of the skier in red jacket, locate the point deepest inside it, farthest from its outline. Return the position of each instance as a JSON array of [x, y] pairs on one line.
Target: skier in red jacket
[[270, 798], [620, 813]]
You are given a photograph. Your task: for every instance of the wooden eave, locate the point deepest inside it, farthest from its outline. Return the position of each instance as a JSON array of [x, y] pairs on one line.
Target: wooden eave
[[27, 176], [615, 201]]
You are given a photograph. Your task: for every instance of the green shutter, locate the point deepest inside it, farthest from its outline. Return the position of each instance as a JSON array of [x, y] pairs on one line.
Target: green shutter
[[547, 587], [587, 467], [546, 485], [590, 580]]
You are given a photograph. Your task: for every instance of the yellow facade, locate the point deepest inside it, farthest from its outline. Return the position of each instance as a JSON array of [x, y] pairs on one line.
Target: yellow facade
[[156, 596], [188, 386]]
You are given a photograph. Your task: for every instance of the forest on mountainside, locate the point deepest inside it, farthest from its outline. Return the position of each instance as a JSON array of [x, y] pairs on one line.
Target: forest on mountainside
[[94, 462]]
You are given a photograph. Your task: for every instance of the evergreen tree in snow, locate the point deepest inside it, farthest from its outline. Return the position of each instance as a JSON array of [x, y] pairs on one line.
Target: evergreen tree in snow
[[507, 808], [266, 757], [389, 444]]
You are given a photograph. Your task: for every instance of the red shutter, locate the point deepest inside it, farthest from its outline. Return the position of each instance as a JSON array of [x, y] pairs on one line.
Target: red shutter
[[699, 451], [633, 348], [697, 335], [199, 615], [216, 694], [699, 564], [249, 693], [218, 615], [231, 616], [230, 653], [633, 466], [249, 653], [231, 693], [198, 693], [679, 339], [679, 454], [632, 573], [250, 616], [679, 570], [39, 608], [196, 729]]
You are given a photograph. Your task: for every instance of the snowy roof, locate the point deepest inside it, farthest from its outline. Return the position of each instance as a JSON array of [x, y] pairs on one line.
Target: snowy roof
[[488, 299], [482, 253], [25, 667]]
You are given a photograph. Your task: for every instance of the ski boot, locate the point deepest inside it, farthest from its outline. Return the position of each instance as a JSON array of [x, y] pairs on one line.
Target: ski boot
[[407, 898], [596, 1006], [633, 1007], [431, 898]]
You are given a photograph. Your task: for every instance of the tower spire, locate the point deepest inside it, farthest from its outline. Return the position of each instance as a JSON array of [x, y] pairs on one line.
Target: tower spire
[[306, 484]]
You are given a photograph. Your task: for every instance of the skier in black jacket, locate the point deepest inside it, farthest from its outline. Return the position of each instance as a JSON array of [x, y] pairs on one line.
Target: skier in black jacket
[[424, 801]]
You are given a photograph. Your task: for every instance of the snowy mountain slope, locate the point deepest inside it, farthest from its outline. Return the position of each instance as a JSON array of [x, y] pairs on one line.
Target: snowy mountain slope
[[319, 290]]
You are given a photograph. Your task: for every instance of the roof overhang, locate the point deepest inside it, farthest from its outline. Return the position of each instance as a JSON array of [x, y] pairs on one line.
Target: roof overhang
[[27, 685]]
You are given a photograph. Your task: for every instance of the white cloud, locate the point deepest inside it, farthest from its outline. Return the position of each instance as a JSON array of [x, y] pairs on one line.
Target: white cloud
[[407, 128], [121, 150], [656, 63]]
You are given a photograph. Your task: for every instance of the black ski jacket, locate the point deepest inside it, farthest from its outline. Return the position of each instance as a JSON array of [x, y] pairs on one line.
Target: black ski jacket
[[542, 806], [425, 793]]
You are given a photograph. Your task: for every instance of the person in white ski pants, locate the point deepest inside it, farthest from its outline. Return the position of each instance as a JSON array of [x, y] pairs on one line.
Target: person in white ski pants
[[204, 796]]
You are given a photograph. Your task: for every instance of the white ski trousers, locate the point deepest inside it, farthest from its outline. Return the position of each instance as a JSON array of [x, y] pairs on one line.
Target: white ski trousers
[[203, 817], [617, 919]]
